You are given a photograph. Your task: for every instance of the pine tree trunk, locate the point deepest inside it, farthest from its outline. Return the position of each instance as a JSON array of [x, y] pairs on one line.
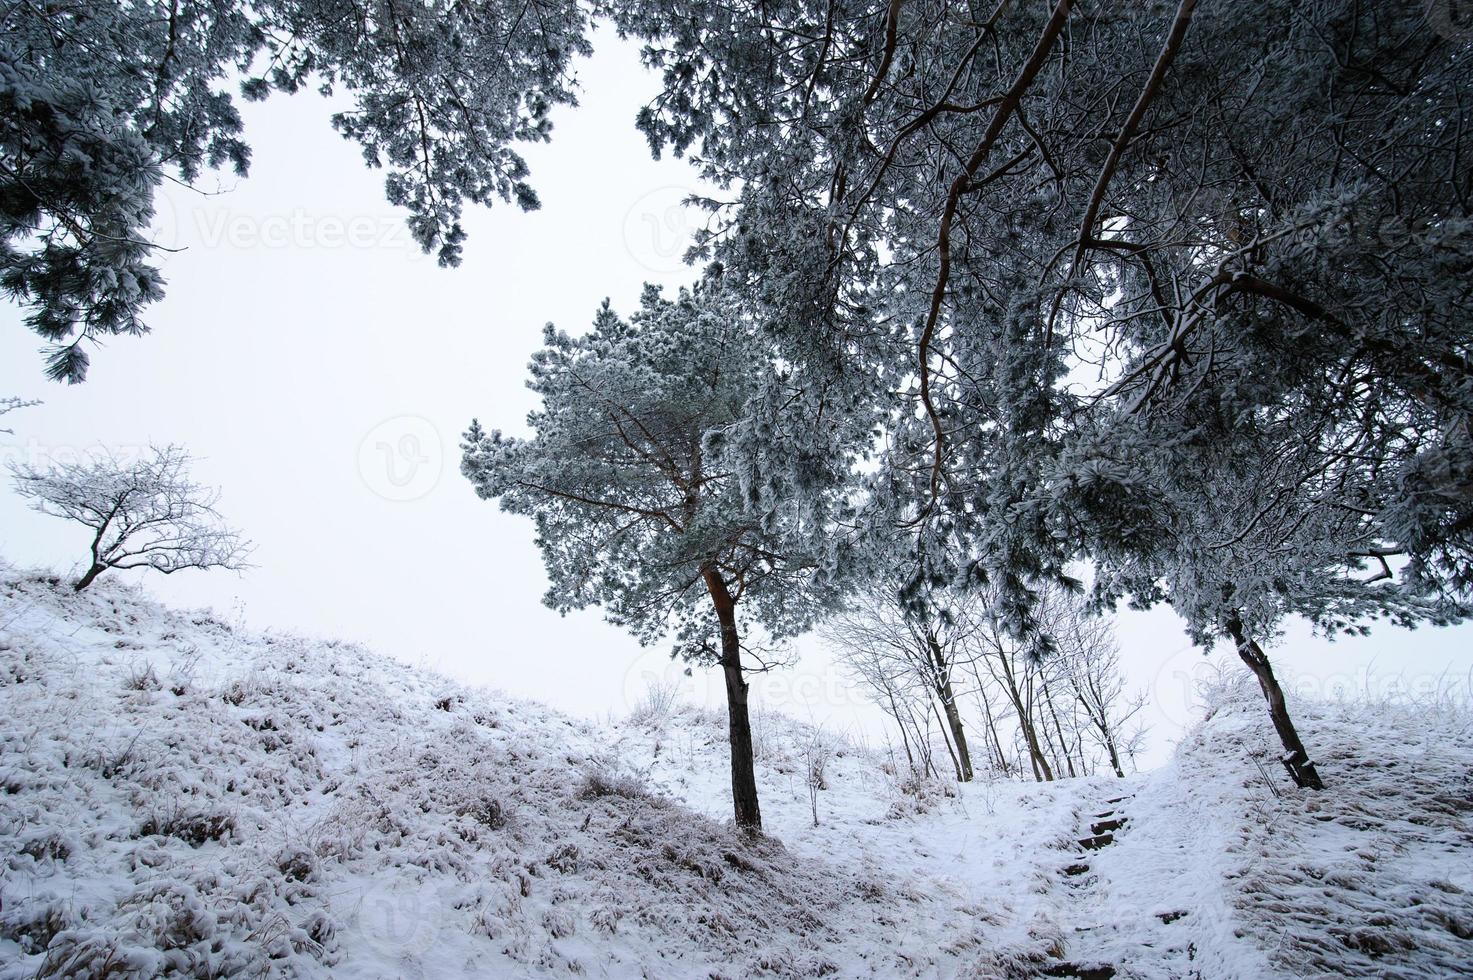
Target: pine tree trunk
[[739, 726], [87, 579], [1297, 762]]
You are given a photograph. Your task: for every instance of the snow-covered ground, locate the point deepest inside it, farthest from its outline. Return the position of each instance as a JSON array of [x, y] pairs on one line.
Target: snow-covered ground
[[181, 796]]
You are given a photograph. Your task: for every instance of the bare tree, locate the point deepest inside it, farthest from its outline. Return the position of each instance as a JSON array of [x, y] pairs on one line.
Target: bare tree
[[1090, 661], [143, 514], [909, 658], [1011, 669], [1066, 713], [1072, 709], [891, 684], [818, 751]]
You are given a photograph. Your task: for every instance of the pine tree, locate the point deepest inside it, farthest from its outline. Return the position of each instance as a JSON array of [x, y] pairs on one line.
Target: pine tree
[[1147, 270], [641, 505], [102, 101]]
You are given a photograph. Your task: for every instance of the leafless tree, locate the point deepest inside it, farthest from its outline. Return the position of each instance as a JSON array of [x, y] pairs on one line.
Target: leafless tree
[[892, 687], [1065, 714], [818, 751], [909, 659], [999, 664], [1090, 660], [1072, 711], [146, 513]]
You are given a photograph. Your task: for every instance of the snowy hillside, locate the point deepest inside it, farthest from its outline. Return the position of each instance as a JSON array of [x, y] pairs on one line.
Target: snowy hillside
[[184, 797]]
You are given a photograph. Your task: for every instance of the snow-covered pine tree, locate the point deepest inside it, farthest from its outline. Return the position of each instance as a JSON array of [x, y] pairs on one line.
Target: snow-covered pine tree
[[1239, 519], [102, 101], [642, 506], [1256, 210], [1281, 323]]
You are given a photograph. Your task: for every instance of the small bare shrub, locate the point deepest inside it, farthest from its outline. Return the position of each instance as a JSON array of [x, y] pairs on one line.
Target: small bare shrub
[[121, 762], [297, 863], [603, 782], [182, 672], [487, 813], [32, 926], [658, 703], [559, 923], [142, 677], [918, 794], [564, 858], [91, 957], [818, 752], [47, 845], [195, 829]]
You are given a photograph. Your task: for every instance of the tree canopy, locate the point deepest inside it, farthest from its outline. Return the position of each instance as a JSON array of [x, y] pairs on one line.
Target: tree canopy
[[102, 102], [628, 473]]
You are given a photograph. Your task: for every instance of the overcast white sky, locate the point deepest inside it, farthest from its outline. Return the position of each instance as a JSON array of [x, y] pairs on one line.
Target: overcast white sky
[[323, 368]]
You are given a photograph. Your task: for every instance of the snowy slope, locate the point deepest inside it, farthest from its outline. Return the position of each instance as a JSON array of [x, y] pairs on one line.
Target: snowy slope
[[185, 797]]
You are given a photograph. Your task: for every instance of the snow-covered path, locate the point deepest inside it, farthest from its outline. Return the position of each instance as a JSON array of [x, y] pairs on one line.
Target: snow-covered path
[[1187, 859]]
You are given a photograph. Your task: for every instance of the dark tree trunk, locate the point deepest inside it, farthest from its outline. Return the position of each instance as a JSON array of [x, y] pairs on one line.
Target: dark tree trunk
[[1048, 700], [1042, 771], [953, 716], [956, 766], [1114, 755], [87, 579], [954, 720], [900, 724], [739, 725], [1297, 762]]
